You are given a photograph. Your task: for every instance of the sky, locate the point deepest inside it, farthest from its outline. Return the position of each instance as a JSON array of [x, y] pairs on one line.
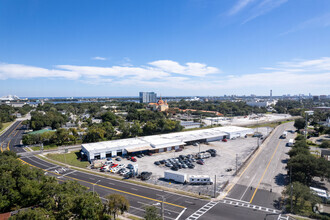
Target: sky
[[61, 48]]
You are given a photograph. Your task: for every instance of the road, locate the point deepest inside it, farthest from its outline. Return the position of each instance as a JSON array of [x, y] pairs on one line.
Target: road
[[176, 206], [263, 179]]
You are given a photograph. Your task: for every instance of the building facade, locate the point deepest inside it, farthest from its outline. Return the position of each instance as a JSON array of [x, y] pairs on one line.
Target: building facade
[[147, 97], [160, 106], [160, 143]]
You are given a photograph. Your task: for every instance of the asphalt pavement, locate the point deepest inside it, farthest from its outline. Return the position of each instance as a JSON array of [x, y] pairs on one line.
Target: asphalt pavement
[[262, 180], [176, 206]]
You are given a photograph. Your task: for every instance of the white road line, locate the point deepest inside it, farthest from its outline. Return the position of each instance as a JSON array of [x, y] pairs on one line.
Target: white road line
[[158, 207], [69, 173], [52, 167], [177, 218], [248, 186], [134, 189], [206, 207]]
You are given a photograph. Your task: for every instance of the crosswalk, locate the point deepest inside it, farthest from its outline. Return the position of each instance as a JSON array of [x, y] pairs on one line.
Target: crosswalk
[[202, 211], [249, 206], [196, 215]]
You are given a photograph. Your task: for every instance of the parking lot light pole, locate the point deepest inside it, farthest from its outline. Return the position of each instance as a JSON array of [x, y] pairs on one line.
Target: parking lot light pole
[[95, 184]]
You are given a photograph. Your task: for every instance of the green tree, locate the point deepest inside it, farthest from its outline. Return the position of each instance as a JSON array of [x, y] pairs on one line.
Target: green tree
[[325, 144], [136, 129], [301, 196], [109, 117], [299, 123], [38, 214], [304, 168], [151, 213], [94, 134], [149, 128], [115, 204]]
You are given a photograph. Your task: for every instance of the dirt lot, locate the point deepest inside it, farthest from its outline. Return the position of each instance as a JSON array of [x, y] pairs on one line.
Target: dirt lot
[[226, 158]]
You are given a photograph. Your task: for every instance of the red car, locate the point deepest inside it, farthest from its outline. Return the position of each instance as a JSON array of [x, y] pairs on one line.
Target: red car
[[200, 162], [133, 159], [224, 140], [114, 165]]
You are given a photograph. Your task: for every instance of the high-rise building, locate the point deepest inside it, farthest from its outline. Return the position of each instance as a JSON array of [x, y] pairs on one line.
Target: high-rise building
[[271, 94], [147, 97]]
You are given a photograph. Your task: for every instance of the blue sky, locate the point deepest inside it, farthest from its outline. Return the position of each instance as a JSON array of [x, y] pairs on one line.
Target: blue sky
[[175, 48]]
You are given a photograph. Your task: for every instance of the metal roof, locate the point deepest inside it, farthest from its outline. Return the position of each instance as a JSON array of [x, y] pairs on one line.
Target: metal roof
[[163, 140]]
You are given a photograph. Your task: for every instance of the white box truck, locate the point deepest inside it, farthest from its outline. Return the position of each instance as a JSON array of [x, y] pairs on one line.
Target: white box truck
[[200, 180], [189, 179], [175, 176]]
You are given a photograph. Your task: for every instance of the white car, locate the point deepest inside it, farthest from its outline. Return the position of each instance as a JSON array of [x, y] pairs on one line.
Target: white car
[[121, 166], [114, 170], [125, 172]]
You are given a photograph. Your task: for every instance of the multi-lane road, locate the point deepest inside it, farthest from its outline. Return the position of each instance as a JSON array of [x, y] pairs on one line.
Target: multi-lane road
[[263, 172]]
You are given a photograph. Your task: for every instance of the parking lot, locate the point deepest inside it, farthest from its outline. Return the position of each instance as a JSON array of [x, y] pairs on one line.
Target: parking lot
[[227, 153]]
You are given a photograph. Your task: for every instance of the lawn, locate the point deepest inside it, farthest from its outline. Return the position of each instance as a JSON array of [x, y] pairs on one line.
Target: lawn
[[272, 124], [5, 125], [46, 147], [71, 158]]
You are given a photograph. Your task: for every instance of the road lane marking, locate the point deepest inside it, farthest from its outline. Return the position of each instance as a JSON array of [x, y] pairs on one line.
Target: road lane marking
[[158, 206], [144, 197], [206, 207], [10, 139], [255, 191], [248, 186], [248, 165], [177, 218]]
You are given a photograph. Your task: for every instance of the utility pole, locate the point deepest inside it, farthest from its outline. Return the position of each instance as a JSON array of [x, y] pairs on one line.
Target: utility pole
[[291, 189], [215, 185]]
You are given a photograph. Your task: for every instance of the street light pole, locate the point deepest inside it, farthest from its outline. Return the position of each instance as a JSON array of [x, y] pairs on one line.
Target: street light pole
[[95, 184]]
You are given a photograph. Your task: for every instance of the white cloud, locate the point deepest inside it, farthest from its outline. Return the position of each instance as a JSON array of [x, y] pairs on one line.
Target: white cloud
[[240, 5], [190, 69], [295, 75], [263, 8], [317, 22], [99, 58], [155, 70], [19, 71]]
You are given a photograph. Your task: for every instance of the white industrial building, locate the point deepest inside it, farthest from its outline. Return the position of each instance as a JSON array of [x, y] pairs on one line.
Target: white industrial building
[[160, 143]]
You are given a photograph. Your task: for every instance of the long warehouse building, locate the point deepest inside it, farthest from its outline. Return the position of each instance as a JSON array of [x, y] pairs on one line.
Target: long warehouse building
[[160, 143]]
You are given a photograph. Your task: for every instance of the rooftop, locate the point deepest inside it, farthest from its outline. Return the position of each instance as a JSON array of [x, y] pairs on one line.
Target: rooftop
[[163, 140]]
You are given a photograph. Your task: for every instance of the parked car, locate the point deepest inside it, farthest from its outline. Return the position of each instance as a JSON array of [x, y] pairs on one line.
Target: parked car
[[224, 140], [191, 166], [133, 159], [139, 156], [118, 159], [157, 163], [178, 150], [174, 168], [168, 165], [162, 161], [229, 169], [149, 154], [128, 157], [201, 162], [145, 175]]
